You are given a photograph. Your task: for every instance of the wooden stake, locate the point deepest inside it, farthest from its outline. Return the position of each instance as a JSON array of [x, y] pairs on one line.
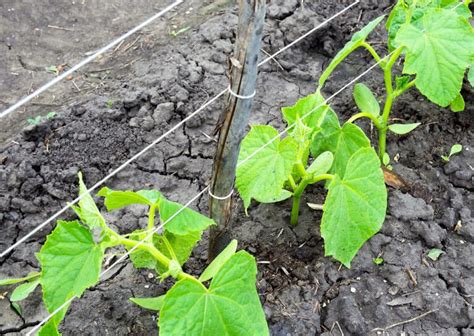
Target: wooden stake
[[233, 122]]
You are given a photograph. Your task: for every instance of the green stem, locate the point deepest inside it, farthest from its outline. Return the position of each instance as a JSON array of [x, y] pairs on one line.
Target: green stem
[[151, 221], [374, 54], [295, 210], [397, 93], [147, 247], [169, 247], [373, 118], [388, 102], [292, 182]]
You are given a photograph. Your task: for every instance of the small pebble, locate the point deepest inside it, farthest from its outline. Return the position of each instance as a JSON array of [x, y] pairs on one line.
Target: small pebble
[[353, 290]]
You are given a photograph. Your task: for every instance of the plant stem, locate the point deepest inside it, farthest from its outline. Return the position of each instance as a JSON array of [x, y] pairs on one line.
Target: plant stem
[[372, 51], [299, 191], [365, 115], [147, 247], [383, 125], [151, 221], [295, 210]]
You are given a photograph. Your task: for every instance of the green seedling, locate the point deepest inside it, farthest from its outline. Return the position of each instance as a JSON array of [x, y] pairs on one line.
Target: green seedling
[[52, 69], [317, 149], [378, 261], [109, 103], [39, 119], [176, 33], [455, 149], [72, 257], [435, 253], [436, 42]]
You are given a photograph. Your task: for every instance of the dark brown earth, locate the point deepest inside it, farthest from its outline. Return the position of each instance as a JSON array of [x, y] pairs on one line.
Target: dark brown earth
[[303, 292]]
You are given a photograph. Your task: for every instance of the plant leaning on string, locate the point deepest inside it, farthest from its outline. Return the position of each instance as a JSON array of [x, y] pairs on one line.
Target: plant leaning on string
[[437, 41], [72, 256]]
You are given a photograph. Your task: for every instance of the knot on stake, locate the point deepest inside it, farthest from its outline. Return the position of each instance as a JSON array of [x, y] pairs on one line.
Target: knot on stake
[[219, 197], [239, 96]]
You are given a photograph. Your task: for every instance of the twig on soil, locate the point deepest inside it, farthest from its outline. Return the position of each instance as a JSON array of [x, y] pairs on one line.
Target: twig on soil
[[383, 330], [131, 44], [411, 275], [338, 326], [60, 28], [77, 87], [279, 65]]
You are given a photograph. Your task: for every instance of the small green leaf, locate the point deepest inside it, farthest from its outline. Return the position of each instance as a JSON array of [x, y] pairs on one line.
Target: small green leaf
[[219, 261], [89, 213], [263, 176], [155, 303], [455, 149], [355, 42], [50, 115], [439, 50], [180, 220], [52, 69], [17, 308], [229, 307], [386, 159], [402, 82], [402, 129], [5, 282], [22, 291], [355, 206], [378, 261], [70, 263], [457, 104], [366, 100], [341, 141], [119, 199], [309, 110], [321, 164], [434, 254]]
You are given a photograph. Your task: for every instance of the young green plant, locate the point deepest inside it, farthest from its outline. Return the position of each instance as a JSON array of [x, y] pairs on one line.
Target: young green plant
[[317, 149], [72, 256], [436, 41]]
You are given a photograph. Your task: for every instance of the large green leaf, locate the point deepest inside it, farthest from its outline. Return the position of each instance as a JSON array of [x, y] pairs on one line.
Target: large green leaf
[[439, 50], [355, 42], [181, 220], [399, 14], [70, 263], [263, 175], [355, 206], [341, 141], [88, 211], [119, 199], [230, 307]]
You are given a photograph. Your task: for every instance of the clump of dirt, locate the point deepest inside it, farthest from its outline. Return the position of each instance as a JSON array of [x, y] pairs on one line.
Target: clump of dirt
[[303, 292]]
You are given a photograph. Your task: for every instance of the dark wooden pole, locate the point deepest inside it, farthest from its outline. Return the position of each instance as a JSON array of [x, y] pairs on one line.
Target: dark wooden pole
[[233, 122]]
